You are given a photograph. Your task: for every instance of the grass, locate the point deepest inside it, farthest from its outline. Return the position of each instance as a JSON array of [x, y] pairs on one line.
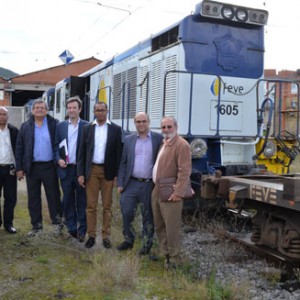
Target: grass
[[49, 267]]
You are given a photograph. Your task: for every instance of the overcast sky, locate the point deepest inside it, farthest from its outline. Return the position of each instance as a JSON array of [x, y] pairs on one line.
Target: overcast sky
[[35, 32]]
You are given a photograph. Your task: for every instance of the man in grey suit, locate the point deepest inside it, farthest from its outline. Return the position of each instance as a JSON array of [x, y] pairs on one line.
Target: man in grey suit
[[135, 181]]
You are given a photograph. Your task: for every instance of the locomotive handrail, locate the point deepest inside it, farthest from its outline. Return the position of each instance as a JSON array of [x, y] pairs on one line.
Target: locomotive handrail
[[191, 97]]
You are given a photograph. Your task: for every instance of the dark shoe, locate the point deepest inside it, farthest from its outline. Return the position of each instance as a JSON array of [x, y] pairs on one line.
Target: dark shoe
[[153, 257], [144, 251], [125, 246], [34, 232], [80, 238], [106, 243], [90, 242], [11, 229], [73, 234]]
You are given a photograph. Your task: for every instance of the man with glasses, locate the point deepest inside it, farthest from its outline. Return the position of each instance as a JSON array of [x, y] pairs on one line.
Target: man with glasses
[[98, 163], [173, 161], [135, 181], [35, 159]]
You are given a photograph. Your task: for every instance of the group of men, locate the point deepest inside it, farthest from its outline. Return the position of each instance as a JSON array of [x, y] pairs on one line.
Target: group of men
[[89, 158]]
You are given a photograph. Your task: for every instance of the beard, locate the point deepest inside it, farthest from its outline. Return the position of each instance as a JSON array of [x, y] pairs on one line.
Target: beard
[[168, 136]]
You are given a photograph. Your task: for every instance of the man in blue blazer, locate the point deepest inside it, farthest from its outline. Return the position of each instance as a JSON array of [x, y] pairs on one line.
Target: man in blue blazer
[[98, 164], [135, 181], [67, 141]]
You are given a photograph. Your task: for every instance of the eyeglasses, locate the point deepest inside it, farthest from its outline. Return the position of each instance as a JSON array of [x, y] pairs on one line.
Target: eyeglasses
[[168, 126], [101, 110], [142, 121]]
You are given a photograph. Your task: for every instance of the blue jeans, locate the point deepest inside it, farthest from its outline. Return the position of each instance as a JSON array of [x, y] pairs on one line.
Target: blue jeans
[[74, 203]]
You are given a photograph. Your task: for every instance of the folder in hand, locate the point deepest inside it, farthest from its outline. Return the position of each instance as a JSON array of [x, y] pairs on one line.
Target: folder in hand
[[63, 150]]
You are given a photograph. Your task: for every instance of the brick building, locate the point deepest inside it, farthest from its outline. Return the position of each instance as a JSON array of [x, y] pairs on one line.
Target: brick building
[[18, 90]]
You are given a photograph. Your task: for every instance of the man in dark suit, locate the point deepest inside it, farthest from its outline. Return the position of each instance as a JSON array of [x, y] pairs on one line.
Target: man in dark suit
[[135, 181], [67, 141], [98, 163], [35, 159], [8, 179]]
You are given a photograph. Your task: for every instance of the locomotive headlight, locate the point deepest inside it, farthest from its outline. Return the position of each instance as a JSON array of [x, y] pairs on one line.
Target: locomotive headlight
[[227, 12], [270, 149], [198, 148], [241, 15]]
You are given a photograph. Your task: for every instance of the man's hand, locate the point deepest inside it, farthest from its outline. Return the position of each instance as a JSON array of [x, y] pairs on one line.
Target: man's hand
[[81, 181], [62, 163], [174, 198], [20, 175]]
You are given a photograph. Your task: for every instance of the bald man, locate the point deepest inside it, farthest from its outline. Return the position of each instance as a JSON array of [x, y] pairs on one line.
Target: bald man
[[135, 181], [8, 179]]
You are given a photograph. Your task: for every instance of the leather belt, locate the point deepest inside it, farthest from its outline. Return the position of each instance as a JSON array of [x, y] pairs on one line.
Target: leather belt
[[4, 165], [71, 165], [42, 162], [101, 165], [142, 179]]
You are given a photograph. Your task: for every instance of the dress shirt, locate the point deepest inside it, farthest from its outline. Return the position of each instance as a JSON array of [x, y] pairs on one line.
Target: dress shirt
[[143, 159], [42, 143], [6, 152], [72, 141], [100, 142]]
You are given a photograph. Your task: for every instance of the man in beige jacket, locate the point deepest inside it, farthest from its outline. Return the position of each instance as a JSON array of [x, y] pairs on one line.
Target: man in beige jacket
[[174, 160]]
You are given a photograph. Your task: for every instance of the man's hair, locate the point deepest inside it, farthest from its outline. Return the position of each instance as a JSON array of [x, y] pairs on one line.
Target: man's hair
[[170, 118], [37, 101], [100, 102], [74, 99]]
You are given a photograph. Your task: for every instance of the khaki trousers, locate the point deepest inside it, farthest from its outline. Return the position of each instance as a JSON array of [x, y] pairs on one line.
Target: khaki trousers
[[96, 183], [167, 223]]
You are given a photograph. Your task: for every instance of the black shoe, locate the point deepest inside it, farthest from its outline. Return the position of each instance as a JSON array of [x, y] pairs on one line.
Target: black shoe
[[90, 242], [153, 257], [73, 234], [80, 238], [34, 232], [11, 229], [106, 243], [124, 246], [144, 251]]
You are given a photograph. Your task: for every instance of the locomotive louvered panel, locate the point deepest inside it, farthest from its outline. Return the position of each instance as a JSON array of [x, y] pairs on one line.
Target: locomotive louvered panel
[[117, 100], [142, 97], [156, 90], [131, 79], [171, 86]]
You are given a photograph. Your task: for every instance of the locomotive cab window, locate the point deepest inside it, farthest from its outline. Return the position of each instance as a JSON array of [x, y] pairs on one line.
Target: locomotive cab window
[[167, 38]]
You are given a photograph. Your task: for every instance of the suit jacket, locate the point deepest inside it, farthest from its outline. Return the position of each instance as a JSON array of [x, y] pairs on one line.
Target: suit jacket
[[175, 161], [112, 152], [128, 155], [13, 132], [25, 143], [61, 133]]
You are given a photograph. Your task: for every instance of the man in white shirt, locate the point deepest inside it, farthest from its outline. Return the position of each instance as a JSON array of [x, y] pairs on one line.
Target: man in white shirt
[[8, 179], [97, 169]]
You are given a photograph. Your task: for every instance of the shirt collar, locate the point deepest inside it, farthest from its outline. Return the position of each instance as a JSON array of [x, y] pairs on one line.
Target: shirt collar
[[106, 122], [148, 134]]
